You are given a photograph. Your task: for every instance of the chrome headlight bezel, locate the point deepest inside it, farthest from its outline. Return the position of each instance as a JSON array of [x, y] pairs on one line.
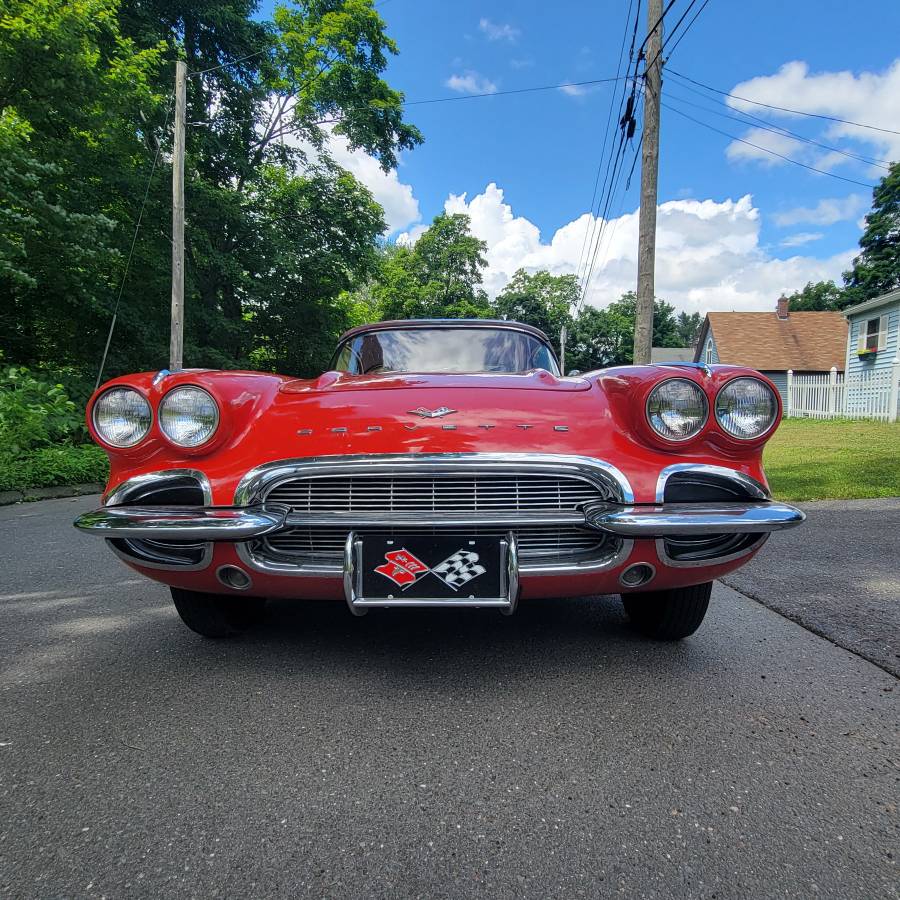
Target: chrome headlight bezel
[[209, 434], [773, 421], [704, 402], [139, 436]]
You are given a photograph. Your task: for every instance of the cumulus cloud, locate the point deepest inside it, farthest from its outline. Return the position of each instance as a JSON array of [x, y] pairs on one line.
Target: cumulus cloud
[[577, 90], [401, 209], [826, 212], [802, 237], [870, 98], [709, 255], [498, 32], [471, 83]]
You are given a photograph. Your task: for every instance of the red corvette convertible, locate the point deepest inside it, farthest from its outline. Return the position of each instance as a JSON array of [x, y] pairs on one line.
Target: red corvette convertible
[[438, 463]]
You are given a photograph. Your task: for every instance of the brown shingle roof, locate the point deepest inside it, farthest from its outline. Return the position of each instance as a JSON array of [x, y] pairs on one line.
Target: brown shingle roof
[[805, 341]]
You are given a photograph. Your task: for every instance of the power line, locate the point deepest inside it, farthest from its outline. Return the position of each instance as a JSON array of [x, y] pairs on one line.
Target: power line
[[656, 25], [687, 28], [626, 119], [233, 62], [528, 90], [777, 129], [797, 112], [137, 227], [613, 188], [796, 162], [662, 46], [606, 132]]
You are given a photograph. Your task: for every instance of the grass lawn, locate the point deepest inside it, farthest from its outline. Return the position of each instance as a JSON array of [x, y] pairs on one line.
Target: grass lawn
[[840, 459]]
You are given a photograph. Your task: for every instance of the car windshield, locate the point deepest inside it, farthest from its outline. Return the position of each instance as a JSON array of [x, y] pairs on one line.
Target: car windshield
[[444, 350]]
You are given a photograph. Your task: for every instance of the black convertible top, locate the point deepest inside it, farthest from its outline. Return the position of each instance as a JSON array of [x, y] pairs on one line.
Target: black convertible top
[[445, 323]]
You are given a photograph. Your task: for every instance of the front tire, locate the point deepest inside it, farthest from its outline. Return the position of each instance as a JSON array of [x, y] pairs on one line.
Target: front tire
[[668, 615], [218, 615]]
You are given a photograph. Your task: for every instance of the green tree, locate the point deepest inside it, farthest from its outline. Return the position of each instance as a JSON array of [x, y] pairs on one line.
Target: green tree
[[540, 299], [438, 277], [877, 268], [72, 88], [317, 237], [605, 337], [86, 85], [817, 297], [688, 328]]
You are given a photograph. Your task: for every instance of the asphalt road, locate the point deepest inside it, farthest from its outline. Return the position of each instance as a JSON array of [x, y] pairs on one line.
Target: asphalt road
[[425, 753], [843, 578]]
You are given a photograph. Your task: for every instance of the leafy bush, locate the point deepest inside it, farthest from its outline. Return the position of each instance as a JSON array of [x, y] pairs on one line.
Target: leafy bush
[[51, 466], [34, 413]]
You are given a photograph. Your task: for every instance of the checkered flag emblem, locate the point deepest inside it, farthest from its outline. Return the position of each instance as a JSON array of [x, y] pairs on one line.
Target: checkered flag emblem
[[459, 569]]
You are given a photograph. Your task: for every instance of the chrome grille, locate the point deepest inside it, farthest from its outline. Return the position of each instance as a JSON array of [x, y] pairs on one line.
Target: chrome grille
[[326, 544], [475, 492]]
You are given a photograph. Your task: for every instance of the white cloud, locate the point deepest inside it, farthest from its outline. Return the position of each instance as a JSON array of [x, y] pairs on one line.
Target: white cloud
[[766, 144], [802, 237], [870, 98], [708, 253], [401, 209], [471, 83], [577, 90], [498, 32], [826, 212]]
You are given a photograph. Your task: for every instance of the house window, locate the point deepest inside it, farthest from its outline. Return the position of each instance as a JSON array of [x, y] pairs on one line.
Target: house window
[[872, 335], [709, 352]]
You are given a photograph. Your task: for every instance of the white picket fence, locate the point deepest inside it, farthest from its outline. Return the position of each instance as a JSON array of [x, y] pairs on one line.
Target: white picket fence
[[873, 395]]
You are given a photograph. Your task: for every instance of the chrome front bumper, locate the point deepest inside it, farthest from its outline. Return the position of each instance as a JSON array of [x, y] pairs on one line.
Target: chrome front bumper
[[246, 523]]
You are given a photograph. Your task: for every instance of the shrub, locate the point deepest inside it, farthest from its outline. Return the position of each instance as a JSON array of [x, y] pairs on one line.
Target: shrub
[[34, 413], [51, 466]]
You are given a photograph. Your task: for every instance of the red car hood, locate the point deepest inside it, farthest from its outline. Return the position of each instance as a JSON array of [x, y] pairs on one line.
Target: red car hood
[[342, 381]]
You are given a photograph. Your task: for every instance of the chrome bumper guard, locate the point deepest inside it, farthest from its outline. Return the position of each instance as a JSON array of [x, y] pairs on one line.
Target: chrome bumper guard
[[666, 519], [183, 523], [247, 523]]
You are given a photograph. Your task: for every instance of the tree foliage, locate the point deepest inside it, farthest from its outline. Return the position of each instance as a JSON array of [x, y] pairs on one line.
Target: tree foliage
[[877, 268], [437, 277], [275, 230]]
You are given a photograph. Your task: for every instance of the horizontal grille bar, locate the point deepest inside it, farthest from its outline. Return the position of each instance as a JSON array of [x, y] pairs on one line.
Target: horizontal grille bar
[[327, 544], [435, 493]]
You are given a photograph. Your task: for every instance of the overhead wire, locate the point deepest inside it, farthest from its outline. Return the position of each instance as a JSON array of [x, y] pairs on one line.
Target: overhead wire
[[134, 237], [627, 125], [588, 228], [686, 29], [757, 122], [796, 162], [787, 109]]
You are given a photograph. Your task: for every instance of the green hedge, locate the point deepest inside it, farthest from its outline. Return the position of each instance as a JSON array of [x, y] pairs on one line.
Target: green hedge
[[52, 466]]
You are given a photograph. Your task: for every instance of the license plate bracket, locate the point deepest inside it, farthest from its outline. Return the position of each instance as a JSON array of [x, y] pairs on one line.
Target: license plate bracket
[[381, 569]]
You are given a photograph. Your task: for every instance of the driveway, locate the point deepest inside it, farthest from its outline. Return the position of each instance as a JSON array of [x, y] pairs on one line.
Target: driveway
[[425, 753], [838, 575]]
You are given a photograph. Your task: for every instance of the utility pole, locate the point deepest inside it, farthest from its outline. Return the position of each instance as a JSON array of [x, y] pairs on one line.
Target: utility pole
[[176, 339], [562, 349], [643, 322]]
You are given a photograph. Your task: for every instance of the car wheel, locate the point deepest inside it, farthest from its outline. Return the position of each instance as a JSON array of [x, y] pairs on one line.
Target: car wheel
[[217, 615], [668, 615]]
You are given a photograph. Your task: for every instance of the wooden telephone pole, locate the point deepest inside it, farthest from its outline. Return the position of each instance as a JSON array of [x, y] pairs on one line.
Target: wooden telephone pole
[[643, 322], [176, 339]]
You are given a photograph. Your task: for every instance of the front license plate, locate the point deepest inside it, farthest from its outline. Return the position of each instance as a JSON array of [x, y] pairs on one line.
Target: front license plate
[[433, 569]]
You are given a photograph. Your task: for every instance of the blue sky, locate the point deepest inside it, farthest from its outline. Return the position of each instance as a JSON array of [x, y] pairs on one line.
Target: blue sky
[[541, 150]]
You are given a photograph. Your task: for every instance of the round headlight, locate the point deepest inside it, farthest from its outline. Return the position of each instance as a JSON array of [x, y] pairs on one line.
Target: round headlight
[[122, 417], [188, 416], [677, 409], [746, 408]]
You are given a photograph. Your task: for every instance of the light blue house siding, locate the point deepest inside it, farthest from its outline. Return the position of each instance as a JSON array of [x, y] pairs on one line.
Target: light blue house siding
[[886, 311]]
